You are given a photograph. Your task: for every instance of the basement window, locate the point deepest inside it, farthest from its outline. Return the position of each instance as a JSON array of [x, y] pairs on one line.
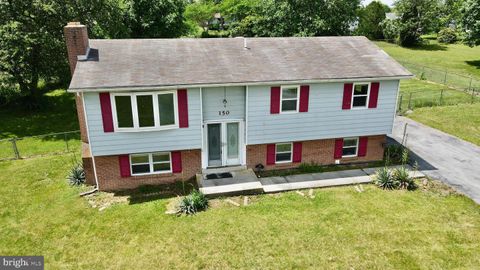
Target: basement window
[[350, 147], [142, 164], [283, 152]]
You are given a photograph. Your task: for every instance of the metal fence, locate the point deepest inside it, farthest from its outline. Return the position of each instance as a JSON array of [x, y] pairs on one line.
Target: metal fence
[[459, 89], [40, 145]]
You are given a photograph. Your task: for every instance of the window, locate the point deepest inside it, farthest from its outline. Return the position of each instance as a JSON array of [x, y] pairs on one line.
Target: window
[[360, 95], [150, 163], [283, 152], [139, 111], [289, 99], [350, 146]]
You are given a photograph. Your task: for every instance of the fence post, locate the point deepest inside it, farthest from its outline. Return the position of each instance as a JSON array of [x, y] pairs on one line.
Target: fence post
[[441, 96], [473, 95], [404, 134], [445, 79], [470, 85], [400, 104], [15, 149], [410, 101], [66, 141]]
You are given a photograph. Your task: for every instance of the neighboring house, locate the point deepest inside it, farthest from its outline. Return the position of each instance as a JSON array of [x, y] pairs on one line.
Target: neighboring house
[[153, 111], [391, 16]]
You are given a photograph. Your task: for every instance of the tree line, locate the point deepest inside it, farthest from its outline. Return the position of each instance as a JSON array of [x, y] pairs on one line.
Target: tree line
[[33, 53]]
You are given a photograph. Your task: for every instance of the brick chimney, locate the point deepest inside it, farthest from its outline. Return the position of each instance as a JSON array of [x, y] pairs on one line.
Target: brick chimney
[[76, 37]]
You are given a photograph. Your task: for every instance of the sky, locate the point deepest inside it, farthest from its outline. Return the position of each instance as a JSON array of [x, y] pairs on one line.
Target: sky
[[387, 2]]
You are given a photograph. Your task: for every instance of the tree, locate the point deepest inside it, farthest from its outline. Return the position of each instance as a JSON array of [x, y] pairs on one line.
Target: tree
[[370, 20], [471, 22], [305, 17], [156, 18], [32, 46], [416, 18], [200, 13]]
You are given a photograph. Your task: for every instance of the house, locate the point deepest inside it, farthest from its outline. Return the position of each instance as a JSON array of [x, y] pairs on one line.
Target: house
[[154, 111]]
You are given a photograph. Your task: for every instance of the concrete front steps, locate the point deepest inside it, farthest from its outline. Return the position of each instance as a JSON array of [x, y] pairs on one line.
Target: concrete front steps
[[245, 181]]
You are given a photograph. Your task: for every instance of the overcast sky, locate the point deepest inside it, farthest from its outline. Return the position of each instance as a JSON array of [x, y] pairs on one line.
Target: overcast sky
[[387, 2]]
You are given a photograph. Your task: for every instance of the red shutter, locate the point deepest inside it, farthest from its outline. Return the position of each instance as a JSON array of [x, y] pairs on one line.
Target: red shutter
[[176, 162], [182, 108], [106, 108], [372, 102], [338, 148], [362, 146], [304, 93], [297, 152], [270, 154], [275, 100], [347, 96], [124, 161]]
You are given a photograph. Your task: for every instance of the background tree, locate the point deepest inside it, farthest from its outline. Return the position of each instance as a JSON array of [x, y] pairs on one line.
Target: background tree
[[156, 18], [200, 13], [370, 19], [471, 22], [416, 18]]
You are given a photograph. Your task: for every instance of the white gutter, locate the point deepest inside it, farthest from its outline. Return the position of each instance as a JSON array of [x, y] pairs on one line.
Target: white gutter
[[178, 86]]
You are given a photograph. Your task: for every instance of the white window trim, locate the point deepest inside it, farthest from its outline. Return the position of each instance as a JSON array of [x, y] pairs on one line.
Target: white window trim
[[367, 95], [277, 152], [282, 99], [150, 163], [356, 147], [133, 98]]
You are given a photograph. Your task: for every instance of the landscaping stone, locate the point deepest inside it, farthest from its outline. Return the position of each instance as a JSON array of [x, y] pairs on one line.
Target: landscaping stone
[[245, 201], [232, 202], [300, 193]]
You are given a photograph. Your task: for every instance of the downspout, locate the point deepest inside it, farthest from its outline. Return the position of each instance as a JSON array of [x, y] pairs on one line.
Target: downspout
[[90, 148]]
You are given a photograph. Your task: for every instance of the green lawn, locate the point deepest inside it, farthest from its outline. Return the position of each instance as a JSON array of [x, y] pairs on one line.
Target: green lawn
[[340, 228], [457, 58], [427, 94], [57, 115], [462, 121]]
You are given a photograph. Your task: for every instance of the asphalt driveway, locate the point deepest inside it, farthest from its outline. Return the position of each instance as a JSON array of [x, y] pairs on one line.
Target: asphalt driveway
[[442, 156]]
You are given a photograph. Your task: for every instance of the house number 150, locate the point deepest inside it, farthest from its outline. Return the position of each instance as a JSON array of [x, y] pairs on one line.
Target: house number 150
[[223, 113]]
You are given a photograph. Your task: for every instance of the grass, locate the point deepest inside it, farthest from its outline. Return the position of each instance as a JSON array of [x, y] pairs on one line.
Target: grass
[[340, 228], [462, 121], [58, 115], [427, 94], [456, 58]]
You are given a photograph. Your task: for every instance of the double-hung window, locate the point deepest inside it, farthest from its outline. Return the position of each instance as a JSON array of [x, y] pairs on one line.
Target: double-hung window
[[360, 95], [283, 152], [150, 163], [350, 147], [149, 110], [289, 99]]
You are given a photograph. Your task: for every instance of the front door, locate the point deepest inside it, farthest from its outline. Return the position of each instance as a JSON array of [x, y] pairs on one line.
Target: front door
[[223, 144]]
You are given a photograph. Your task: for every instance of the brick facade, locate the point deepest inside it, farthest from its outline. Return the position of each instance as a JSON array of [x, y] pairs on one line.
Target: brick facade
[[317, 151], [108, 172]]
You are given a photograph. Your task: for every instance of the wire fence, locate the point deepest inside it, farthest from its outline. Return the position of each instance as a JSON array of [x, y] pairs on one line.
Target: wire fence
[[40, 145], [455, 89]]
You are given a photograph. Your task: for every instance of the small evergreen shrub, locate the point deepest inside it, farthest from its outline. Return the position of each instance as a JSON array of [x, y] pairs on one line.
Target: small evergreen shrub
[[385, 180], [193, 203], [447, 35], [394, 154], [76, 176], [310, 168], [402, 176]]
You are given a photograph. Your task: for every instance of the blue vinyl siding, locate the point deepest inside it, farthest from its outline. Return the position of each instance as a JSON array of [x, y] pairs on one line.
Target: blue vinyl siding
[[212, 99], [324, 119], [115, 143]]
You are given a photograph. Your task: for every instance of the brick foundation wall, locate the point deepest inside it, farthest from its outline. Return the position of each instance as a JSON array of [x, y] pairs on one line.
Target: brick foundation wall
[[108, 172], [317, 151]]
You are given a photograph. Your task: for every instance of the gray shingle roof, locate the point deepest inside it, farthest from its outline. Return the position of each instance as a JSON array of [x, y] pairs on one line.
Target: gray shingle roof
[[180, 62]]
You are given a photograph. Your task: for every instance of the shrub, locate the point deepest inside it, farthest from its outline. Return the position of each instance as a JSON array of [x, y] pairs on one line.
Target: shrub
[[447, 35], [390, 30], [310, 168], [385, 180], [76, 176], [402, 176], [394, 154], [193, 203]]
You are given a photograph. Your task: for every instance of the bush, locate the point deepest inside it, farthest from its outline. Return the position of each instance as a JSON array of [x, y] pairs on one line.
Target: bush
[[310, 168], [385, 180], [193, 203], [390, 30], [76, 176], [394, 154], [402, 176], [447, 35]]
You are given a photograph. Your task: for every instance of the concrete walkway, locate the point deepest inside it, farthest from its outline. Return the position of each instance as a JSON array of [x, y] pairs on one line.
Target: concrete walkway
[[442, 156]]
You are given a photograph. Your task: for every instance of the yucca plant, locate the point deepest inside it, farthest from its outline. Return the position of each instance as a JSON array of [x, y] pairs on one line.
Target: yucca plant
[[191, 204], [76, 177], [402, 176], [385, 180]]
